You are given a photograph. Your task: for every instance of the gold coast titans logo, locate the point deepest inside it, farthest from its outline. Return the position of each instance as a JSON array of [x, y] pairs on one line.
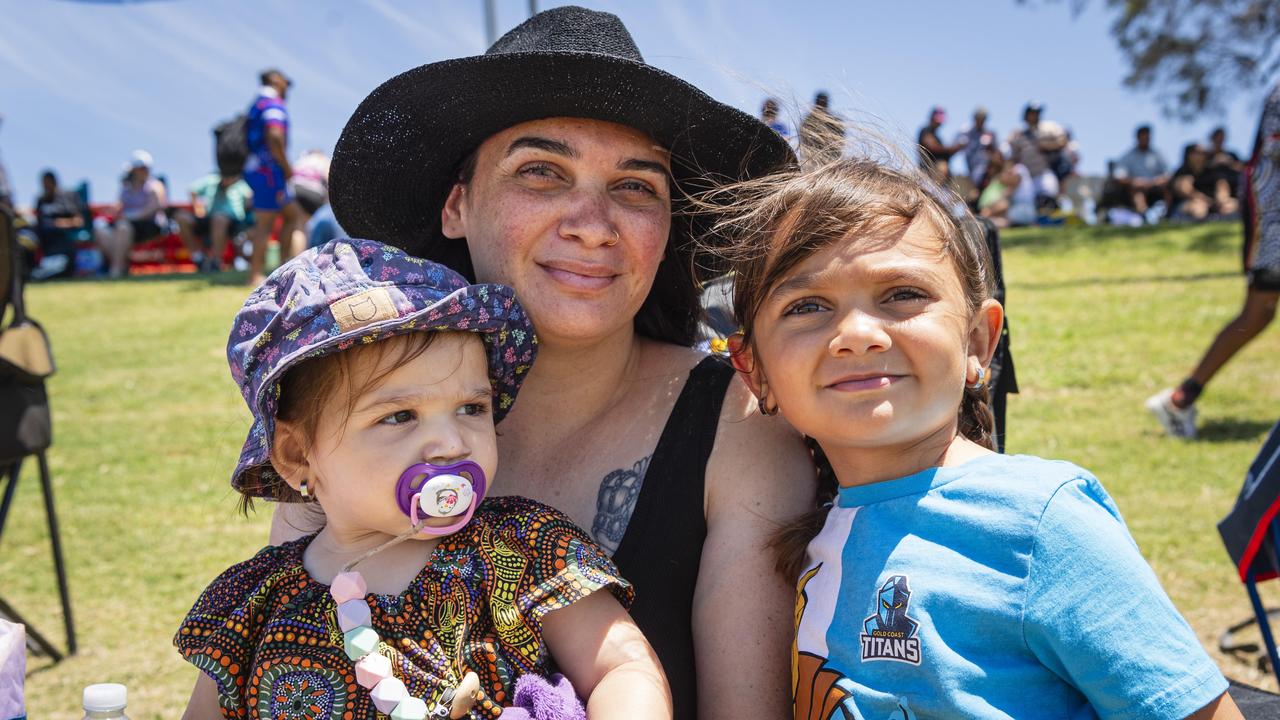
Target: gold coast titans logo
[[889, 634]]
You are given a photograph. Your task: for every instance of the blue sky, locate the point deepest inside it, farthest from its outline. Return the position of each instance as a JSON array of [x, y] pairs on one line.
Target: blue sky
[[84, 84]]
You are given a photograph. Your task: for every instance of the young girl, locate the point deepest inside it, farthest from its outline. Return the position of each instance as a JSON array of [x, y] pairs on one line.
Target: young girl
[[946, 580], [375, 380]]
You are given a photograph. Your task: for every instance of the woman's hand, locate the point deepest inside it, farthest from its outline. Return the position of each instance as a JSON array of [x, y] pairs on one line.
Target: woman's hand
[[602, 652]]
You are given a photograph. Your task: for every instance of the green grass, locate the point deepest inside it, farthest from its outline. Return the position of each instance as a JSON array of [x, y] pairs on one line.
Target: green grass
[[148, 426]]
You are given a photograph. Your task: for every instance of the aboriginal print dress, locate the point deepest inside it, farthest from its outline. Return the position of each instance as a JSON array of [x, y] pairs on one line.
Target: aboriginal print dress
[[267, 633]]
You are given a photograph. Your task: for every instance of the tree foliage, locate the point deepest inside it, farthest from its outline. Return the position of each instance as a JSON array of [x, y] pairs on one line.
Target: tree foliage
[[1195, 54]]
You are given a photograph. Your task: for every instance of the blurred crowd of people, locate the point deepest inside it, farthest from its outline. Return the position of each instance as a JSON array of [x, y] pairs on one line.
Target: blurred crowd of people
[[1028, 176], [255, 191]]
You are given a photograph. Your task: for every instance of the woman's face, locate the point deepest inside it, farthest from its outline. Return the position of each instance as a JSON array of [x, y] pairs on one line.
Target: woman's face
[[573, 214]]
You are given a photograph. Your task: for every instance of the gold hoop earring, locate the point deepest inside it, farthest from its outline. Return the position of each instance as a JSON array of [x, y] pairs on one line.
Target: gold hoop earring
[[980, 382]]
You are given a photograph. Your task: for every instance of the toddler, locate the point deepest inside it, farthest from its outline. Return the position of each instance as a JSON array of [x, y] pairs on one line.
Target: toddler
[[375, 380]]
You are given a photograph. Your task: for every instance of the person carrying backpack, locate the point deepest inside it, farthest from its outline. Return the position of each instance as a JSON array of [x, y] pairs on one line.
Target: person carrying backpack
[[267, 170]]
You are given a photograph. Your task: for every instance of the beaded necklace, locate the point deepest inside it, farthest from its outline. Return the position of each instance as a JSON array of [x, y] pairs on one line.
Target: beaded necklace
[[373, 669], [447, 494]]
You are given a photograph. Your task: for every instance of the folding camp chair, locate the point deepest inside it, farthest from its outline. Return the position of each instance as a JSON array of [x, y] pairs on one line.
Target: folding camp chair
[[1251, 532], [25, 425]]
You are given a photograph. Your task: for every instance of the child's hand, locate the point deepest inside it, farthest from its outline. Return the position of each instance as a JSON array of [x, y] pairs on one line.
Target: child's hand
[[203, 704], [602, 652]]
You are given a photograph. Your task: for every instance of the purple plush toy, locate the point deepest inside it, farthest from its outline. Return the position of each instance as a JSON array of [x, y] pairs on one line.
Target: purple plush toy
[[537, 698]]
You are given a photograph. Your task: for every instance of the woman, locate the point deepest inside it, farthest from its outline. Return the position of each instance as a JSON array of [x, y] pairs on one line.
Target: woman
[[139, 213], [552, 164], [1175, 407]]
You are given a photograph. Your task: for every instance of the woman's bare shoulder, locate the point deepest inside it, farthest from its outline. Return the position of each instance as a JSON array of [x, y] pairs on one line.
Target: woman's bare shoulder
[[758, 456], [665, 359]]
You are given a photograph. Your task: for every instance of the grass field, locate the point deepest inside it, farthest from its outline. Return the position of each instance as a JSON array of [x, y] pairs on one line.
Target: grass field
[[148, 426]]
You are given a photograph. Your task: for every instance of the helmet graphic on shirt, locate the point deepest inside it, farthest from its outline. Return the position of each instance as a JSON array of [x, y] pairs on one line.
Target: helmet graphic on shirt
[[890, 634], [891, 608]]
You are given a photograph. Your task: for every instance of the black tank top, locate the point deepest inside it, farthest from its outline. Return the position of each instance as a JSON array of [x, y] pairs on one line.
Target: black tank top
[[662, 546]]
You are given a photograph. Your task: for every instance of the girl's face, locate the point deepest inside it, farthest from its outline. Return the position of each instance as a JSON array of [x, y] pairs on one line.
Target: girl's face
[[870, 347], [435, 409], [572, 213]]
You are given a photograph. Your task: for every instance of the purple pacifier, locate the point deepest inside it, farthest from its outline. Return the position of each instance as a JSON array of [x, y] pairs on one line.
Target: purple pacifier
[[444, 491]]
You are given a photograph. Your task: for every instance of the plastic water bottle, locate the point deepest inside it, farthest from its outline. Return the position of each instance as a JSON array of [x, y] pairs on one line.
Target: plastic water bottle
[[105, 701]]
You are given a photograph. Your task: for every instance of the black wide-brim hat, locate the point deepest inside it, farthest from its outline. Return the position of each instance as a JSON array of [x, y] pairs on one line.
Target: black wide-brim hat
[[399, 154]]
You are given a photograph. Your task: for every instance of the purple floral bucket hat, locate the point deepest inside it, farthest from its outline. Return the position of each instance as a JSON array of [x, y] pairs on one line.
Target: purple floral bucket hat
[[351, 291]]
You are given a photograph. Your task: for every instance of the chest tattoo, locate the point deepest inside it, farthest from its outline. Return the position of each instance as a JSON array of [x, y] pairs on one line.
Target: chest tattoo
[[615, 503]]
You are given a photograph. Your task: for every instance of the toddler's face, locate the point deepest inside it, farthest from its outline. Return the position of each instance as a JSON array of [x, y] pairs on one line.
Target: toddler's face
[[867, 346], [435, 409]]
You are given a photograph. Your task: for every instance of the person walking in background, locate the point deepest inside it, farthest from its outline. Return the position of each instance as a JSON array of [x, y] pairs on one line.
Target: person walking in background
[[935, 155], [821, 133], [976, 142], [139, 213], [219, 210], [1143, 175], [769, 116], [1175, 407], [268, 171]]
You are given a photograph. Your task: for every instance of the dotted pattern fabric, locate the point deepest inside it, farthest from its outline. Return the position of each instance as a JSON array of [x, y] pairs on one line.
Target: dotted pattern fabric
[[267, 633]]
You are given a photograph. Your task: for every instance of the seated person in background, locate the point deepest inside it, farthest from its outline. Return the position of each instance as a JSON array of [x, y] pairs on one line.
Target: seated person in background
[[219, 210], [309, 185], [1223, 163], [1009, 197], [1141, 174], [139, 213], [1197, 192], [323, 227], [1041, 147], [59, 214]]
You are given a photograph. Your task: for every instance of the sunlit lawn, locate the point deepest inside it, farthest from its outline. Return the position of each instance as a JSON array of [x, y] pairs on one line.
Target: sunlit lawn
[[148, 426]]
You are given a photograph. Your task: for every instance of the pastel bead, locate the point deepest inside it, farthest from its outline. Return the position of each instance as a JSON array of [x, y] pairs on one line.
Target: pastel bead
[[347, 586], [410, 708], [372, 669], [360, 642], [353, 613], [387, 695]]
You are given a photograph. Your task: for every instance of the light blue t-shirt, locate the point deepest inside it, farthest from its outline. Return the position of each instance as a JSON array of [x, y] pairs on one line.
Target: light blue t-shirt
[[1004, 587]]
